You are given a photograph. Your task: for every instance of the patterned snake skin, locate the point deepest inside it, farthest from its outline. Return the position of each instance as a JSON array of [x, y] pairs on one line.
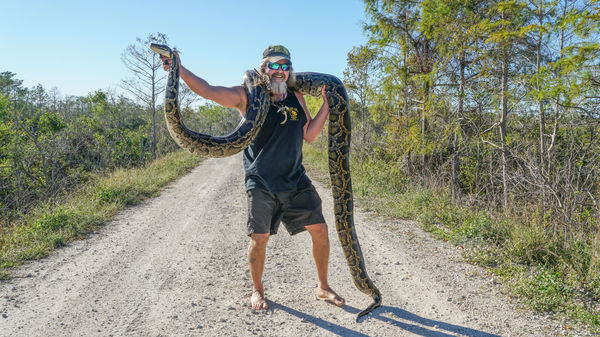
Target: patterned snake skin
[[240, 138]]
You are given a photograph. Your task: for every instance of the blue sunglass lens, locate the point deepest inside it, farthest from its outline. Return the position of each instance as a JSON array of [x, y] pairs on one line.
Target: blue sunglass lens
[[276, 66]]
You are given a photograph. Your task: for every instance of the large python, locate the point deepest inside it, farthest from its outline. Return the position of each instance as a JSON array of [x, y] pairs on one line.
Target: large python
[[240, 138]]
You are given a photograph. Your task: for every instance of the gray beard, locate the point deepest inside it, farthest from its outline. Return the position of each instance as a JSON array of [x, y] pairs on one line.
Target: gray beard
[[278, 87]]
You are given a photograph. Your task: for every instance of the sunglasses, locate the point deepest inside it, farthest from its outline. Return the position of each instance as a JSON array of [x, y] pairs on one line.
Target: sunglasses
[[277, 66]]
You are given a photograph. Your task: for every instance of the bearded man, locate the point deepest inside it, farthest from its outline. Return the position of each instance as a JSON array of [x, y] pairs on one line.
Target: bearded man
[[277, 187]]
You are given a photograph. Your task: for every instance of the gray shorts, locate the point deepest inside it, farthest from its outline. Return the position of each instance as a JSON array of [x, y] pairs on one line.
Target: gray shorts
[[296, 209]]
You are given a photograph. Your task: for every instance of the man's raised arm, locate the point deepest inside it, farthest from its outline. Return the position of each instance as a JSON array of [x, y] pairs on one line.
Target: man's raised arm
[[229, 97]]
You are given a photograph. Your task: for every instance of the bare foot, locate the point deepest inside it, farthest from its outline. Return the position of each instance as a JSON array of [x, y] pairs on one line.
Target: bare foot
[[330, 296], [258, 300]]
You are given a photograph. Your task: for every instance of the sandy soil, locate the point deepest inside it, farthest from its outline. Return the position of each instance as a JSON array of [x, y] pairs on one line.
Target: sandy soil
[[176, 266]]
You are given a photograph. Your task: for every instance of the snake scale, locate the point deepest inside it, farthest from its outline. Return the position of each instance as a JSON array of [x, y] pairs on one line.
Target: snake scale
[[258, 106]]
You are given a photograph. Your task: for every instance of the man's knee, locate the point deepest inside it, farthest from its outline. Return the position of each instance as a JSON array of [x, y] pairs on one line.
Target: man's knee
[[259, 240], [318, 231]]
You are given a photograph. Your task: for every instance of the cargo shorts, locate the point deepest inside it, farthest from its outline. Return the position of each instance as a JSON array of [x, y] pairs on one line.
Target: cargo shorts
[[295, 209]]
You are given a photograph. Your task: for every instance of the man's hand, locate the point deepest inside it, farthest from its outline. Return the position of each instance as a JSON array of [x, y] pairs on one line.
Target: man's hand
[[323, 94], [166, 62]]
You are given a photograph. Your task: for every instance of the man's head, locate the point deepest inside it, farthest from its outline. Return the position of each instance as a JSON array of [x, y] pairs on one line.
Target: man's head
[[276, 66]]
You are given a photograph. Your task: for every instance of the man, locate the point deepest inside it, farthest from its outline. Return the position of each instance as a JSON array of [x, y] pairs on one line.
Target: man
[[276, 183]]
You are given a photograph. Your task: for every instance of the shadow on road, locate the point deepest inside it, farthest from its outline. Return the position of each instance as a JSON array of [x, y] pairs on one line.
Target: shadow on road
[[401, 314], [332, 327], [401, 318]]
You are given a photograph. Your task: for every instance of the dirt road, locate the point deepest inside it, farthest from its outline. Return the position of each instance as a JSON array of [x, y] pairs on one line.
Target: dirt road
[[176, 266]]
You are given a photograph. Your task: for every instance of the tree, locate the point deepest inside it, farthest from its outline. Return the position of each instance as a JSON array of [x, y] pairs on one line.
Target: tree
[[408, 54], [502, 28], [148, 78], [8, 84], [449, 22], [358, 78]]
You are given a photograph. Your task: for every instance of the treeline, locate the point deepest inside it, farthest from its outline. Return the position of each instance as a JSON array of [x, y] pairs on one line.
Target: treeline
[[50, 144], [497, 102]]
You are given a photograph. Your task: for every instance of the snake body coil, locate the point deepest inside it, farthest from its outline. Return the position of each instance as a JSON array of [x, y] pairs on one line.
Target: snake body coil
[[242, 136]]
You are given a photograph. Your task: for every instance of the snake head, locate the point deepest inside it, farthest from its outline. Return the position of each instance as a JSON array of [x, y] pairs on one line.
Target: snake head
[[161, 49]]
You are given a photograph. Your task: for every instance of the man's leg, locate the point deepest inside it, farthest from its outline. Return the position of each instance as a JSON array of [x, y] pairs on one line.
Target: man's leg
[[256, 262], [320, 247]]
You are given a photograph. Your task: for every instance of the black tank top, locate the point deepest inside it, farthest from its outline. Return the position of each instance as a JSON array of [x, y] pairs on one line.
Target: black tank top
[[274, 158]]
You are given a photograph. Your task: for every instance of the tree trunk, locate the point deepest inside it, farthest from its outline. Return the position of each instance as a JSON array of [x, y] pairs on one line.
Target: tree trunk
[[504, 113], [458, 132], [542, 164], [424, 122], [424, 129], [153, 120]]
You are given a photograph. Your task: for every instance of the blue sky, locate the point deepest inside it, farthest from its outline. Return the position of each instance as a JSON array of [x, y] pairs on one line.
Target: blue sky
[[76, 46]]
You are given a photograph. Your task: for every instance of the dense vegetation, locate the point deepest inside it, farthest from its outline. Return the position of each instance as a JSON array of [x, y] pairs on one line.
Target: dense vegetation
[[51, 144], [487, 112]]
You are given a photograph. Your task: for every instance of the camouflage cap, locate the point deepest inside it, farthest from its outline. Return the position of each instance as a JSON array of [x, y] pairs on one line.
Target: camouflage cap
[[276, 53]]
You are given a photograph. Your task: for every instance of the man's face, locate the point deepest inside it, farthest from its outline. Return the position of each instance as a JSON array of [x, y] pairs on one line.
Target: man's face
[[278, 75]]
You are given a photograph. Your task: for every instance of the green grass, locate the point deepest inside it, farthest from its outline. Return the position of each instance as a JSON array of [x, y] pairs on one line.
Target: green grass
[[546, 272], [58, 222]]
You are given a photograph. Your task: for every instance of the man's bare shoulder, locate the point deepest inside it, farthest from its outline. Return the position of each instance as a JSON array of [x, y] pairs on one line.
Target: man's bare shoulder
[[243, 99], [238, 89]]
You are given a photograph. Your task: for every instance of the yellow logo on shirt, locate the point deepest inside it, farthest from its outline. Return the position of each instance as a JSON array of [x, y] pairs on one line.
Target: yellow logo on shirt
[[293, 112]]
